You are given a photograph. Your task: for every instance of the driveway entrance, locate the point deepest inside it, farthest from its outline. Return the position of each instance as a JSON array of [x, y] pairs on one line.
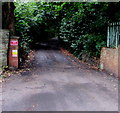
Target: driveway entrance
[[59, 83]]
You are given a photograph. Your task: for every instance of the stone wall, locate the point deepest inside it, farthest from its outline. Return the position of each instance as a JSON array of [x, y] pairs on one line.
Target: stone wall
[[109, 61], [4, 40]]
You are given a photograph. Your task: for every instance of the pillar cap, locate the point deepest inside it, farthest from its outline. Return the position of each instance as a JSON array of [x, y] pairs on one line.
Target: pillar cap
[[1, 30]]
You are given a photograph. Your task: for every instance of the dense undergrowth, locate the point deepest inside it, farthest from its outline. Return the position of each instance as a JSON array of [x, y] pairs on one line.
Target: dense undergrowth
[[80, 27]]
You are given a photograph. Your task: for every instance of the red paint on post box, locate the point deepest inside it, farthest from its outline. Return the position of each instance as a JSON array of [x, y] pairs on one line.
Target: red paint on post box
[[14, 42]]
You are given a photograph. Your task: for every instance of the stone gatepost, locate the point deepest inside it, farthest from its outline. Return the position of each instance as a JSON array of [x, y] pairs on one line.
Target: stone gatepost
[[109, 61], [4, 42]]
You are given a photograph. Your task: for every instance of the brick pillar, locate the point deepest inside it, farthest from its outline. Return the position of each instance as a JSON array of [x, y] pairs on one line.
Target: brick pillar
[[13, 53]]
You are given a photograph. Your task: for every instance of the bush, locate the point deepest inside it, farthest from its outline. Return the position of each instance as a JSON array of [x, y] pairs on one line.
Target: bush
[[81, 27]]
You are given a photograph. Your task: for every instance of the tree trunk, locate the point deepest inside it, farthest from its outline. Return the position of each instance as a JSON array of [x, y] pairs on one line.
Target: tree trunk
[[8, 19]]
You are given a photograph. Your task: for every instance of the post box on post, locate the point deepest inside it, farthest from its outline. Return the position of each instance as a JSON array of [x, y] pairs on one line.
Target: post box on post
[[13, 53]]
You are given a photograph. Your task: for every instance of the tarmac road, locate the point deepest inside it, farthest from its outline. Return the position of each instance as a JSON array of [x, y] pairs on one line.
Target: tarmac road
[[59, 83]]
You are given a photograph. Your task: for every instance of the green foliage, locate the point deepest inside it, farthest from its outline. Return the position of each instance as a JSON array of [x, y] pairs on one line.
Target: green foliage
[[34, 23], [84, 27], [81, 27], [24, 15]]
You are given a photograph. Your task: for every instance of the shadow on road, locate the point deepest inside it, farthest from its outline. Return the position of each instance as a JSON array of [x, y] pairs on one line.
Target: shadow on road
[[52, 44]]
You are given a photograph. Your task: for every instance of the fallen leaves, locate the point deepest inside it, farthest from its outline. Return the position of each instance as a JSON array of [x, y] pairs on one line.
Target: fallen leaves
[[77, 60], [8, 73]]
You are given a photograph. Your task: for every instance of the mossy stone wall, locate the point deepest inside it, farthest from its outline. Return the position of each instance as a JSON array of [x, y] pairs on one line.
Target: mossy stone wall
[[4, 42]]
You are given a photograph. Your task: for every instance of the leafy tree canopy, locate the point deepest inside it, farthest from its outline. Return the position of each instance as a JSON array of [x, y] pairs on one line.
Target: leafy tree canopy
[[81, 27]]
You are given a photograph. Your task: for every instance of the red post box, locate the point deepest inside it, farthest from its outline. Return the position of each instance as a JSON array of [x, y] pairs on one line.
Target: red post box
[[13, 59]]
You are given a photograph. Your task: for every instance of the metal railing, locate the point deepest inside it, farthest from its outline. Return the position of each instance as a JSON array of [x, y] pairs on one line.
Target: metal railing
[[113, 35]]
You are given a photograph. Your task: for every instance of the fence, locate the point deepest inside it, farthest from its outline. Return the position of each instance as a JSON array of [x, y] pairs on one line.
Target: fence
[[113, 35]]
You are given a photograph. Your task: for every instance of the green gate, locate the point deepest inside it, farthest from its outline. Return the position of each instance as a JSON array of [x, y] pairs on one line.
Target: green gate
[[113, 35]]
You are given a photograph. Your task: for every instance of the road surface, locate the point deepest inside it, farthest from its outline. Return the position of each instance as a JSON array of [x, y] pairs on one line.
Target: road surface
[[57, 82]]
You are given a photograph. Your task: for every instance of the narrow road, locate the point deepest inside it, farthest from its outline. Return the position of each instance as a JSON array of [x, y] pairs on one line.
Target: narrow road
[[58, 83]]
